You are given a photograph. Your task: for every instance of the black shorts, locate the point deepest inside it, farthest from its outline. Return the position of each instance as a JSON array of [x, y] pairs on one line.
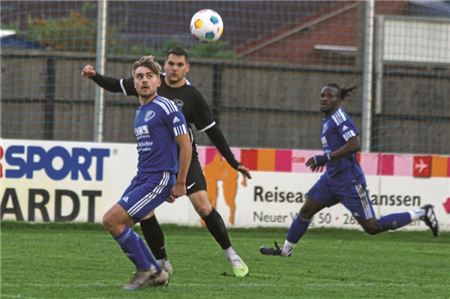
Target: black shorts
[[195, 178]]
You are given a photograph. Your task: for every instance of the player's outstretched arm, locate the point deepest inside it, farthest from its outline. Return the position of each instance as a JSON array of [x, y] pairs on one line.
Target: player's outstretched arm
[[184, 160], [217, 138], [108, 83]]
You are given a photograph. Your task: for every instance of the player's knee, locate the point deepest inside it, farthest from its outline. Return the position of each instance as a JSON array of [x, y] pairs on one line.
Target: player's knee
[[306, 212], [201, 203], [372, 228], [203, 210], [108, 221]]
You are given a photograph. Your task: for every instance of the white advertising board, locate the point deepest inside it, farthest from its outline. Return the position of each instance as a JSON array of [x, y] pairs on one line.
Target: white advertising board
[[76, 181], [409, 39]]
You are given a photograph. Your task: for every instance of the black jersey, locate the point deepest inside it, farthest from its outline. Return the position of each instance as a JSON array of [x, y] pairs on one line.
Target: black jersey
[[193, 106], [188, 99]]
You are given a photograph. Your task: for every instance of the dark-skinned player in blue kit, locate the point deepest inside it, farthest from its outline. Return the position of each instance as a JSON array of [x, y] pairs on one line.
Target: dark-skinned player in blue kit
[[343, 181]]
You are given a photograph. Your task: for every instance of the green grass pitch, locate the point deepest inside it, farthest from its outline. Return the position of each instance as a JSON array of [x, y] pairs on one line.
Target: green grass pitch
[[82, 261]]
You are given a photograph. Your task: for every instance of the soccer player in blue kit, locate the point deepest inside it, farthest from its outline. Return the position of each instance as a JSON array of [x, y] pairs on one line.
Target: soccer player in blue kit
[[176, 87], [343, 181], [164, 155]]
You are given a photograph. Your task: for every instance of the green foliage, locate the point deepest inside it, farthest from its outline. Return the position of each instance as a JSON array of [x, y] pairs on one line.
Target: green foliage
[[75, 261], [211, 50], [72, 33], [197, 50], [201, 50], [136, 50], [11, 26], [77, 32]]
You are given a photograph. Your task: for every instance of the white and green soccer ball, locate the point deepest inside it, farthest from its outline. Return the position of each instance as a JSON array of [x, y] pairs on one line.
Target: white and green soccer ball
[[206, 25]]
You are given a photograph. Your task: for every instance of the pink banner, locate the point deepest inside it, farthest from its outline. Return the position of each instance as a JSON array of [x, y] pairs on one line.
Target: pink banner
[[283, 160], [369, 163], [403, 165], [294, 161]]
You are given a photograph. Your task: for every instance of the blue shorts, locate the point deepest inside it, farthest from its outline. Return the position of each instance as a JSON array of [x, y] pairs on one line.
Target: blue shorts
[[146, 194], [354, 196]]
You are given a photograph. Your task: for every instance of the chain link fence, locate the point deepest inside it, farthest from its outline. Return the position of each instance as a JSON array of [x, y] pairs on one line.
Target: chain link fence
[[262, 80]]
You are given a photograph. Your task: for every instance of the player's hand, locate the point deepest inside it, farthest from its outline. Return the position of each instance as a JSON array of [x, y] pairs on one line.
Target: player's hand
[[317, 163], [88, 71], [244, 170], [179, 189]]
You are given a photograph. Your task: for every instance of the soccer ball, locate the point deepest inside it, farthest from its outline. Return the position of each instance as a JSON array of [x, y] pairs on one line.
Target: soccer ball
[[206, 25]]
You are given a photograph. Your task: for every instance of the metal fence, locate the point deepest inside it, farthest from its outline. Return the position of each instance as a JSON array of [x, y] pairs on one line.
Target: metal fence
[[263, 94]]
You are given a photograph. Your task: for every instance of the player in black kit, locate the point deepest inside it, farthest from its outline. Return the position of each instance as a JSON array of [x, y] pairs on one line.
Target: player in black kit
[[176, 87]]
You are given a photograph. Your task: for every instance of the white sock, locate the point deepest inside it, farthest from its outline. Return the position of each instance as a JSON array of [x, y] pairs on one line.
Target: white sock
[[230, 253], [233, 257], [288, 247], [416, 214]]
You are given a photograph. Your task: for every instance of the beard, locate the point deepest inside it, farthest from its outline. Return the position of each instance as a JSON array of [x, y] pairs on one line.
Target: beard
[[174, 79], [146, 94]]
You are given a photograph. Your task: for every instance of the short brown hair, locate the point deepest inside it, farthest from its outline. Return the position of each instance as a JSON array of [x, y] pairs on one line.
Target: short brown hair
[[178, 51], [148, 62]]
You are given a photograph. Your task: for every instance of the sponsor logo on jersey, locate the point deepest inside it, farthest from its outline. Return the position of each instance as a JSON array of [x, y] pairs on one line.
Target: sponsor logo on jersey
[[141, 132], [149, 115], [176, 120], [56, 162], [344, 128]]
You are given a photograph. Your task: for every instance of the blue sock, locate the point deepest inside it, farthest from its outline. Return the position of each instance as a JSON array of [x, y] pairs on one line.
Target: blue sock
[[129, 242], [148, 254], [297, 229], [394, 221]]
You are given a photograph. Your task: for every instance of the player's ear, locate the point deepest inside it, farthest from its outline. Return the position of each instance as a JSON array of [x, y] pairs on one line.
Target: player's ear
[[158, 81], [187, 67]]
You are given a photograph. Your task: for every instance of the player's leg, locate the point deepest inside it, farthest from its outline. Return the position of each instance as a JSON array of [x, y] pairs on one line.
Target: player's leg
[[137, 202], [218, 230], [300, 224], [154, 237], [213, 221], [153, 192], [317, 198], [397, 220], [212, 192], [196, 191], [356, 199], [114, 221]]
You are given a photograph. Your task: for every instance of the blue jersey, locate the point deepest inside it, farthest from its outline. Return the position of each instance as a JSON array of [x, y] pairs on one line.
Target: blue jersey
[[337, 129], [156, 125]]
